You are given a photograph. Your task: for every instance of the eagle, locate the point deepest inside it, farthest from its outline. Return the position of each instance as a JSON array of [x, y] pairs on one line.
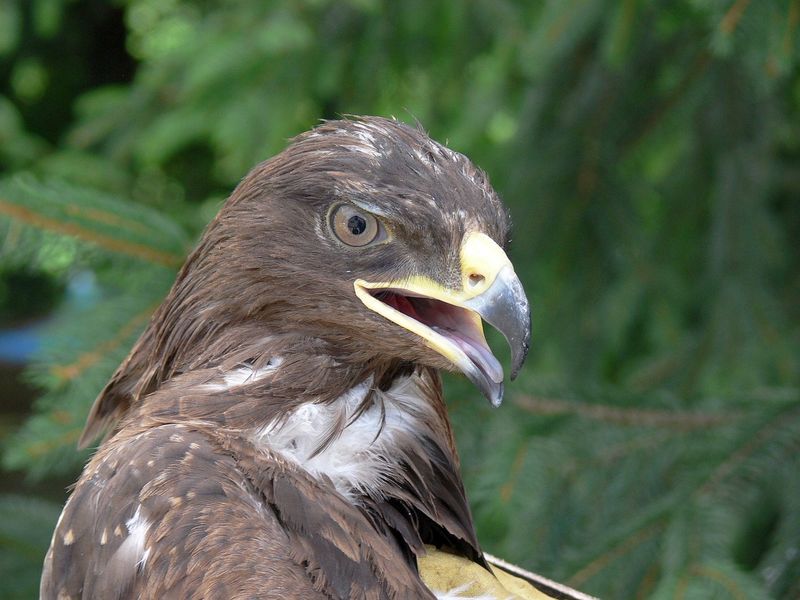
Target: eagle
[[279, 429]]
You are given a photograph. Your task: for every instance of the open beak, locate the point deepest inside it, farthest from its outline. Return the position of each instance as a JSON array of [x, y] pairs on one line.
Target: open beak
[[450, 320]]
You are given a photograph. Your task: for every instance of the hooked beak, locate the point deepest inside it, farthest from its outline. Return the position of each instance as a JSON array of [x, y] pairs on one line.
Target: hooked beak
[[449, 320]]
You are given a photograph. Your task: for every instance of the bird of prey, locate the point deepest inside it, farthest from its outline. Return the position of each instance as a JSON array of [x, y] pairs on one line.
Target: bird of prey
[[278, 430]]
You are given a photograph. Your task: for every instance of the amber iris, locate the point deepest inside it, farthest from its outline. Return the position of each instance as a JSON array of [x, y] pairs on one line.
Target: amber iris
[[354, 227]]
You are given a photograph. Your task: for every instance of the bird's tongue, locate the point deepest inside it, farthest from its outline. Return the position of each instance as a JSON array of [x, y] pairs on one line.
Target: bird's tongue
[[477, 351]]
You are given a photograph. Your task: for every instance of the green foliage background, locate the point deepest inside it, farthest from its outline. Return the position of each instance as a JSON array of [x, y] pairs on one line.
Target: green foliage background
[[649, 151]]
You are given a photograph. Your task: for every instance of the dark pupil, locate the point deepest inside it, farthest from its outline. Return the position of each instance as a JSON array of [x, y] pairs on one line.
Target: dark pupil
[[356, 224]]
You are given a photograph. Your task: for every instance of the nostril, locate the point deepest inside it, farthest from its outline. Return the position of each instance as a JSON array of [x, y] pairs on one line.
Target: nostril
[[475, 279]]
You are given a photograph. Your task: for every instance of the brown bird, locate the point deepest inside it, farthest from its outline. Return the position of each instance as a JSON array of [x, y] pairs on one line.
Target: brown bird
[[279, 431]]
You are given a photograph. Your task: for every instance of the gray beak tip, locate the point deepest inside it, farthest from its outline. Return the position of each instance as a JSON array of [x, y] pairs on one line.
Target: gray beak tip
[[497, 403], [497, 398]]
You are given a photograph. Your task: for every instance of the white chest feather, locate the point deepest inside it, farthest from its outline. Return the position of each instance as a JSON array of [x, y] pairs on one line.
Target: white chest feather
[[367, 451]]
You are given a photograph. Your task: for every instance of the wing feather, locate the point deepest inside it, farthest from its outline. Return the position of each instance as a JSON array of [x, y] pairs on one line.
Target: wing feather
[[183, 511]]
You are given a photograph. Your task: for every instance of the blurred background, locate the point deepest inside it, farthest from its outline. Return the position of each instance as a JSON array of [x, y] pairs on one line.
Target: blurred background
[[649, 151]]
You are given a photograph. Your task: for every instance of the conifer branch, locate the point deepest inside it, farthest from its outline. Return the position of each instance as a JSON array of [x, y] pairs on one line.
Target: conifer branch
[[107, 218], [60, 417], [67, 438], [88, 359], [134, 249], [624, 416], [557, 29], [617, 551], [713, 575], [507, 489], [754, 442], [649, 581], [611, 454], [733, 16]]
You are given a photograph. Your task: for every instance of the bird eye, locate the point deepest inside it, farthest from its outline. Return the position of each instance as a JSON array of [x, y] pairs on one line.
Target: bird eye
[[355, 227]]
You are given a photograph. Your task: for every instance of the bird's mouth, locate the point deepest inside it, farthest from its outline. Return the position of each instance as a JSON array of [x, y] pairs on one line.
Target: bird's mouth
[[450, 320], [450, 328]]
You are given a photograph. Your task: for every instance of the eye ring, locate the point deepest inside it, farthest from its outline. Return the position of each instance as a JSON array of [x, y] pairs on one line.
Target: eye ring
[[355, 227]]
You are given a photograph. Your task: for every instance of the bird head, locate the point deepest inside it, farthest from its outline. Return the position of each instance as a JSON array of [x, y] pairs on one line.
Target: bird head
[[383, 242]]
